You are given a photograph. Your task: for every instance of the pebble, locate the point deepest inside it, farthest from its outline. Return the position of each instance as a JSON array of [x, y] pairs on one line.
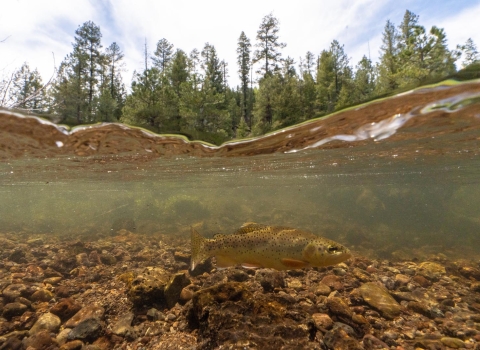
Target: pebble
[[15, 290], [322, 321], [72, 345], [431, 270], [41, 295], [124, 323], [47, 321], [39, 340], [454, 343], [90, 311], [379, 298], [86, 330], [13, 309], [339, 307], [65, 308]]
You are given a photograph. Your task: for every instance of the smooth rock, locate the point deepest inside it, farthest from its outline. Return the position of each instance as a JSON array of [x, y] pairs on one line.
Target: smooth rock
[[40, 340], [124, 324], [339, 307], [174, 287], [454, 343], [86, 330], [322, 321], [65, 308], [295, 284], [155, 315], [72, 345], [47, 321], [42, 295], [431, 270], [333, 282], [52, 280], [378, 297], [90, 311], [338, 339], [322, 289], [13, 309], [14, 291], [62, 336]]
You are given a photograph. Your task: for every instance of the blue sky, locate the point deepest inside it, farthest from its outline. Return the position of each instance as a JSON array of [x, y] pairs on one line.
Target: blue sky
[[35, 29]]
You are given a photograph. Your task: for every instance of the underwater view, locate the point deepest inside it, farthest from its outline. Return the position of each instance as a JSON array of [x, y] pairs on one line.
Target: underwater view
[[96, 225]]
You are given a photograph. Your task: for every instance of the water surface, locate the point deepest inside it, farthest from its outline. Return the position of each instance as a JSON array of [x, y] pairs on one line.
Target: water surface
[[395, 178]]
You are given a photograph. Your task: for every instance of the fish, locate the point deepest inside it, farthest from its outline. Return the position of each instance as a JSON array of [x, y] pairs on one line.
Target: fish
[[256, 245]]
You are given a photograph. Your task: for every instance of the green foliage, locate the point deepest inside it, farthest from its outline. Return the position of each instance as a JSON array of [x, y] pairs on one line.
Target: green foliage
[[268, 45], [469, 52], [163, 54], [244, 66], [189, 94]]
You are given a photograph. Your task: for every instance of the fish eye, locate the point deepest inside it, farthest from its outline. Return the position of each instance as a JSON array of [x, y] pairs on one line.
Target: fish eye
[[332, 249]]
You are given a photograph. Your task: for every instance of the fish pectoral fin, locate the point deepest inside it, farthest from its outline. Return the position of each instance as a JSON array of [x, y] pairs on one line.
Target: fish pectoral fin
[[294, 264], [225, 261], [250, 266]]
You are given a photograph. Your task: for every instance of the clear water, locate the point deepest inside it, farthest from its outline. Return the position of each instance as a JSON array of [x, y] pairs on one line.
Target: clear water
[[395, 179]]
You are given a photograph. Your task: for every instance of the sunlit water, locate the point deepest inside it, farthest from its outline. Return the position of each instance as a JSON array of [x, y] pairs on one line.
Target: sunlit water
[[395, 179]]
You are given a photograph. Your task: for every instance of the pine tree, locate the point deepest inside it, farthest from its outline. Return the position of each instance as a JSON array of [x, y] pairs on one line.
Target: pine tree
[[364, 80], [179, 70], [87, 47], [27, 90], [389, 60], [163, 54], [244, 65], [469, 52], [213, 70], [268, 45]]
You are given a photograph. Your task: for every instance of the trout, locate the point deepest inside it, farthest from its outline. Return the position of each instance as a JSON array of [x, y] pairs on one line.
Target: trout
[[255, 245]]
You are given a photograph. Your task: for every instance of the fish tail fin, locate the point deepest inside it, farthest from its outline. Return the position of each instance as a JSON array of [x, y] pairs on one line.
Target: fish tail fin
[[198, 249]]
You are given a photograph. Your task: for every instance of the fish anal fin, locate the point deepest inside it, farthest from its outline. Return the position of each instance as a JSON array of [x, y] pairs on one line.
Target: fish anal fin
[[250, 266], [294, 264], [225, 261]]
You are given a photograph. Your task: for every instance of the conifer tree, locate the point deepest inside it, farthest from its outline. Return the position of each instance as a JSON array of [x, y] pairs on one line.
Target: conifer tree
[[27, 90], [469, 52], [389, 60], [163, 54], [244, 65], [268, 52], [87, 47]]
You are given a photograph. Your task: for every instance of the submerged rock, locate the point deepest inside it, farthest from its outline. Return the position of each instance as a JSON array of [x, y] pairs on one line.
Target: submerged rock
[[65, 308], [378, 297], [431, 270], [228, 314], [90, 311], [87, 330], [123, 325], [149, 287], [48, 321], [174, 287], [13, 309]]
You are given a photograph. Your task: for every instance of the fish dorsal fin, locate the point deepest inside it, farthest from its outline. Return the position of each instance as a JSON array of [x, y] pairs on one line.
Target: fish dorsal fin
[[249, 227]]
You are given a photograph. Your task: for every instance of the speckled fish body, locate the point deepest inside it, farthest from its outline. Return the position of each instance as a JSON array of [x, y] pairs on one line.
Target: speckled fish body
[[255, 245]]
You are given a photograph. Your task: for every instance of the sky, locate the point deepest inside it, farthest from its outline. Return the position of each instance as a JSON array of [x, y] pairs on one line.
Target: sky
[[41, 32]]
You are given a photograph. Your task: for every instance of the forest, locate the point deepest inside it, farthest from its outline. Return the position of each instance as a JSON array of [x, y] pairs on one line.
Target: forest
[[188, 93]]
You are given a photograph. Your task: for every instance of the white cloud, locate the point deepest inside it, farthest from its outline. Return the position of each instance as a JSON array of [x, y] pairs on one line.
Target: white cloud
[[38, 28]]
